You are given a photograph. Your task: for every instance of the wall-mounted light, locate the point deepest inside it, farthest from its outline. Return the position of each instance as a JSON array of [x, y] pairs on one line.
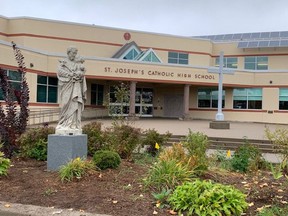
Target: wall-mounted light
[[31, 65], [270, 81]]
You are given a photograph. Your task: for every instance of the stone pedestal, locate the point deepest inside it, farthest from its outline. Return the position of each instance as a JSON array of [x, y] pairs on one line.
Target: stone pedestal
[[219, 125], [64, 148], [68, 131]]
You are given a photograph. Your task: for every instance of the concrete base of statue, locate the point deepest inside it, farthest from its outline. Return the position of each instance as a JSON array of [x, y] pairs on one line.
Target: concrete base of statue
[[64, 148], [219, 125]]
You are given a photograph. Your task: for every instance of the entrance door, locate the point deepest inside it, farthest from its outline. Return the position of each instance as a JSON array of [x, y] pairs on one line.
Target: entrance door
[[173, 106]]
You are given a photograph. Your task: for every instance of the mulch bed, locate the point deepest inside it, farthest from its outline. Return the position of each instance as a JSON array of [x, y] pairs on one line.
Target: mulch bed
[[120, 192]]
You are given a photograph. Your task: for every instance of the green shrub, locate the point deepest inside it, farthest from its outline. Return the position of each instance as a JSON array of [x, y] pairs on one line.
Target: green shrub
[[105, 159], [4, 164], [247, 157], [161, 197], [76, 168], [95, 137], [167, 174], [122, 138], [221, 159], [197, 144], [151, 137], [177, 152], [38, 151], [207, 198], [33, 143]]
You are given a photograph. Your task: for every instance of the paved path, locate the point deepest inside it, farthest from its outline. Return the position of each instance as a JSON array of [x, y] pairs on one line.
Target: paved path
[[178, 127], [13, 209]]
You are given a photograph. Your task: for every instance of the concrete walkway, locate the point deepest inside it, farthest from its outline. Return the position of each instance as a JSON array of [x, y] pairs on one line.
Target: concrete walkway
[[179, 127], [13, 209]]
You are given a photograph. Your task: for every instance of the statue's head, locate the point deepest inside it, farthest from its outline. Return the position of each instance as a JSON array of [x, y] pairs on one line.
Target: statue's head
[[72, 52]]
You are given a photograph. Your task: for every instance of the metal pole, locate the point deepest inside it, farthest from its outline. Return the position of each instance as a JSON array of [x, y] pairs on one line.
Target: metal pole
[[219, 115]]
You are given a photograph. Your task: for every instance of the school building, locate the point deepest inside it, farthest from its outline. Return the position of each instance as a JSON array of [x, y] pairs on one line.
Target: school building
[[168, 76]]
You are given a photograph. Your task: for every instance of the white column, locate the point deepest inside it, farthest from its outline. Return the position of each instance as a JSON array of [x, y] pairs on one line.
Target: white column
[[186, 100], [132, 98]]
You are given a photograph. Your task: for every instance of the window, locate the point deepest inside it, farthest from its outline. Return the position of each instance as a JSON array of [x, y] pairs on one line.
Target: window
[[14, 78], [148, 56], [256, 63], [283, 99], [208, 98], [131, 54], [144, 101], [177, 58], [47, 89], [228, 62], [247, 98], [97, 94]]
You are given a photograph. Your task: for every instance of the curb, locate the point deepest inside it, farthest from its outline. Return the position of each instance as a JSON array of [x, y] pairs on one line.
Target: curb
[[15, 209]]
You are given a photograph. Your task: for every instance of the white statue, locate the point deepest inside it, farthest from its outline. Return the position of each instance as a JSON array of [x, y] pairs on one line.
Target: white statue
[[72, 85]]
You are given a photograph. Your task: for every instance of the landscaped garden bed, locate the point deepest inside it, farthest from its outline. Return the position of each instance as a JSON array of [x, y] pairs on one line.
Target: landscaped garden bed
[[153, 183]]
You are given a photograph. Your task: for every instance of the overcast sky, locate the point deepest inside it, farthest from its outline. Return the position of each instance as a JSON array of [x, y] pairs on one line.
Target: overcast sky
[[177, 17]]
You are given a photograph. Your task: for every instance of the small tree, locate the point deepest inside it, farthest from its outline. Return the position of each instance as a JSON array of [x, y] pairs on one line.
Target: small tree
[[121, 97], [279, 138], [14, 111]]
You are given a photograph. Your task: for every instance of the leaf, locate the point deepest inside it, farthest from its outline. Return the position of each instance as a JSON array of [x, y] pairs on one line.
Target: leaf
[[7, 205], [172, 212], [263, 185], [114, 201], [155, 212]]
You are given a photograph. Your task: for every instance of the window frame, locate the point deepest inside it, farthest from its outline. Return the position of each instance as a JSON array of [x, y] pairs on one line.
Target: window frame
[[256, 62], [135, 52], [247, 103], [143, 102], [13, 82], [212, 98], [226, 63], [178, 58], [48, 92], [99, 100], [283, 104]]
